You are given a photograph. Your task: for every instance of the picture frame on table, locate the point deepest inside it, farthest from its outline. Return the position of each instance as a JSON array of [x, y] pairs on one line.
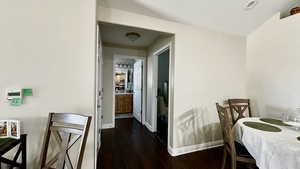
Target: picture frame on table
[[10, 129]]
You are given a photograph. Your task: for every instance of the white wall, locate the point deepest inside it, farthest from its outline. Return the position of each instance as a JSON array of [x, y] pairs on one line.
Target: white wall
[[49, 46], [209, 66], [108, 55], [273, 66]]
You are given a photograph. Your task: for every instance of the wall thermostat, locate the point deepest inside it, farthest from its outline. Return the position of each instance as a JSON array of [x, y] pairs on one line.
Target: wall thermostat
[[13, 94]]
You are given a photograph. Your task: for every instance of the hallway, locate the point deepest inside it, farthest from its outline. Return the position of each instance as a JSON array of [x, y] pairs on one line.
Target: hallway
[[132, 146]]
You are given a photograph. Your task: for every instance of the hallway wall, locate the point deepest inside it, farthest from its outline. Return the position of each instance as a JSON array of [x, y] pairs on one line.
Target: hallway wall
[[48, 46]]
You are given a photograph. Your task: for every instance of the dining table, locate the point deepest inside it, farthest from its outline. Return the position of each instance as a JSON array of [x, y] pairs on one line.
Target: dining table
[[8, 144], [272, 143]]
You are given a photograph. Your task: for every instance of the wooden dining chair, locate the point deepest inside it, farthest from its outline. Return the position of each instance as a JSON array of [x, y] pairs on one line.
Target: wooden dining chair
[[231, 147], [239, 108], [66, 129]]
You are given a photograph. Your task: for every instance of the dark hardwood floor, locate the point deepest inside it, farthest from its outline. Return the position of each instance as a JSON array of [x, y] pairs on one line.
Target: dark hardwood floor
[[132, 146]]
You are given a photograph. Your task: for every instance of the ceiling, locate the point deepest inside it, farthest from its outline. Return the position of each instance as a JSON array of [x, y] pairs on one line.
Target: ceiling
[[222, 15], [112, 34]]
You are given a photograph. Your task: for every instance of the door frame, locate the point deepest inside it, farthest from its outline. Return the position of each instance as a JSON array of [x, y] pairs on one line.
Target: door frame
[[143, 113], [98, 93], [171, 88]]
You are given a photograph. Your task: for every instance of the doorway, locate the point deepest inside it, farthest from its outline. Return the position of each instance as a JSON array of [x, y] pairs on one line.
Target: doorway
[[129, 84], [162, 94], [130, 76], [127, 70]]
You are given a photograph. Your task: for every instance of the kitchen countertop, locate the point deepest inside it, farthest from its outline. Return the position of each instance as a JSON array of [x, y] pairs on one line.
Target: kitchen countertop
[[122, 93]]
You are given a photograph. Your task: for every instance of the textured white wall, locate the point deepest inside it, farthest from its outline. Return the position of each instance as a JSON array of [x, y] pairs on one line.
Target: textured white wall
[[209, 66], [108, 56], [49, 46], [273, 66]]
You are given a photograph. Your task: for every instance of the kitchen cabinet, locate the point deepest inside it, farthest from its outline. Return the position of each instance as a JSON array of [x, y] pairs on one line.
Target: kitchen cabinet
[[124, 103]]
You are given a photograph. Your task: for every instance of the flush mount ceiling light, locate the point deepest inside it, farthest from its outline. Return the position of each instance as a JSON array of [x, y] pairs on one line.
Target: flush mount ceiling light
[[133, 36], [250, 4]]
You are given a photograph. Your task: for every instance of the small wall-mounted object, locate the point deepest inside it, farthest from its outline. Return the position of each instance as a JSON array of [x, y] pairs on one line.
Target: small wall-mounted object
[[291, 9], [294, 7], [27, 92], [14, 96], [295, 10]]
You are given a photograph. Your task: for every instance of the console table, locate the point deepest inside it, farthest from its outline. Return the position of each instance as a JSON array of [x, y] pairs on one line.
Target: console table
[[7, 144]]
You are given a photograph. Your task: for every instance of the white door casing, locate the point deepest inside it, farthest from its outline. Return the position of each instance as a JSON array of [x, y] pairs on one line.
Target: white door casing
[[99, 88], [152, 88], [137, 90]]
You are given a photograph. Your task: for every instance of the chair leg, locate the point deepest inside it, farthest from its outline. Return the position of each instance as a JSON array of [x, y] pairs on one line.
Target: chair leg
[[224, 158], [24, 151]]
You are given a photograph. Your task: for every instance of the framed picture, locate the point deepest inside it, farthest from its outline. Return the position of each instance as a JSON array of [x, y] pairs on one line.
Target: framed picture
[[10, 129], [3, 129]]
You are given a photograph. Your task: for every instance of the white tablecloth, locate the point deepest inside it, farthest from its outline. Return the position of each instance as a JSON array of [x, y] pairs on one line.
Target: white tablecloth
[[271, 150]]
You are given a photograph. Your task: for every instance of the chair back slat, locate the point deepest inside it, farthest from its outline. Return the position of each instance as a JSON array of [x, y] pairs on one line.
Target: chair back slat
[[69, 118], [226, 127], [239, 108], [67, 129]]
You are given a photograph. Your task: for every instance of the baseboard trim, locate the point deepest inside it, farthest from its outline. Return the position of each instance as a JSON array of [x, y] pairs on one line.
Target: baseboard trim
[[149, 127], [194, 148], [108, 126]]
